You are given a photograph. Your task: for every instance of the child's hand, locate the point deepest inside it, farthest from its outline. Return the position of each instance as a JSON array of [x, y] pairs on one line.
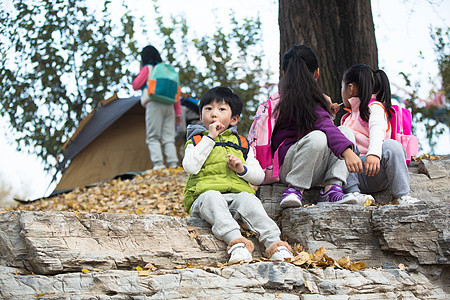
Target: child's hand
[[215, 128], [335, 107], [372, 165], [352, 161], [235, 164]]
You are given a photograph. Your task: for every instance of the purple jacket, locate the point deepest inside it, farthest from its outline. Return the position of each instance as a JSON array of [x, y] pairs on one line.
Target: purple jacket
[[337, 142]]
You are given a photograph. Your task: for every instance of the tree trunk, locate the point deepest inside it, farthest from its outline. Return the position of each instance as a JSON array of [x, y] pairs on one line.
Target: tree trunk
[[341, 33]]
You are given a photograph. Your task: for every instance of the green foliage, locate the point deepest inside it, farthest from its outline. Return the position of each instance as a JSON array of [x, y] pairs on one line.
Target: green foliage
[[434, 113], [62, 57], [230, 58], [441, 40], [61, 60]]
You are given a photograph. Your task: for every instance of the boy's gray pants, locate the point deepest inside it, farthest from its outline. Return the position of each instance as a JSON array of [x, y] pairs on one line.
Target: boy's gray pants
[[160, 131], [310, 162], [224, 211], [393, 173]]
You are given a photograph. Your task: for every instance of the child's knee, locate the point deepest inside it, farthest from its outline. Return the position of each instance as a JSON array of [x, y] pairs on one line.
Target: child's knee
[[317, 139], [394, 148], [347, 132], [209, 199], [247, 198]]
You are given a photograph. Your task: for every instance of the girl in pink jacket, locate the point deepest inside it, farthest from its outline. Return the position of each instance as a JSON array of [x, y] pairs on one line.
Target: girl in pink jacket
[[367, 94]]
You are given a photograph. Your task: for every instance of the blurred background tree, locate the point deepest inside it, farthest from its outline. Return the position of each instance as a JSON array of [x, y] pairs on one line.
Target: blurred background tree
[[60, 58], [63, 57], [230, 57], [58, 61], [434, 112]]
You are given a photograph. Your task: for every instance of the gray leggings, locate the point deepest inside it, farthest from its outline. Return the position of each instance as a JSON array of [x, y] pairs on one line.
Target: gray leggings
[[160, 130], [393, 173], [310, 162], [223, 211]]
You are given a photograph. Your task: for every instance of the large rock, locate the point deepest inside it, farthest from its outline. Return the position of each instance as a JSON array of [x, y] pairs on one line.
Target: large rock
[[374, 234], [52, 243], [262, 280], [43, 254]]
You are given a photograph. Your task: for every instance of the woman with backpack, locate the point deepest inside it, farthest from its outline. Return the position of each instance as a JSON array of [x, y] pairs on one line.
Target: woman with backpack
[[311, 149], [367, 94], [160, 118]]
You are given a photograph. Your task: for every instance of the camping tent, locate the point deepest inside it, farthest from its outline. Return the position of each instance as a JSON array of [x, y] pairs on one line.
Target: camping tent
[[109, 142]]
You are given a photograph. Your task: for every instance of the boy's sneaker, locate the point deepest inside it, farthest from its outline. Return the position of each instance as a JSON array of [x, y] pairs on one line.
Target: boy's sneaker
[[238, 253], [291, 198], [407, 200], [363, 199], [281, 254], [159, 167], [336, 195], [173, 166]]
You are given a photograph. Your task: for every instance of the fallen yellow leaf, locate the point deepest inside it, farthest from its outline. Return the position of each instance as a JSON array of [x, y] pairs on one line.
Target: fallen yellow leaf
[[193, 235], [143, 273], [318, 254], [357, 266], [151, 267], [85, 271], [300, 259]]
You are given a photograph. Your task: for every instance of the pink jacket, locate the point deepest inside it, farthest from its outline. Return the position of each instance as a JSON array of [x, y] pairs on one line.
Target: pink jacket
[[361, 128]]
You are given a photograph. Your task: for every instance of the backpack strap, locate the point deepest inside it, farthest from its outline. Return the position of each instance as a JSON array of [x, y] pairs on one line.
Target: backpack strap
[[242, 144], [196, 139], [380, 104]]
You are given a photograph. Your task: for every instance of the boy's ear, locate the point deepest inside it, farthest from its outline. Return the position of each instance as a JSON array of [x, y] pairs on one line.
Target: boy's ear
[[234, 120]]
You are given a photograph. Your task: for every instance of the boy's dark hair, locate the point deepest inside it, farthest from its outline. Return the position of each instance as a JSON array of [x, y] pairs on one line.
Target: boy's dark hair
[[369, 81], [150, 56], [222, 94]]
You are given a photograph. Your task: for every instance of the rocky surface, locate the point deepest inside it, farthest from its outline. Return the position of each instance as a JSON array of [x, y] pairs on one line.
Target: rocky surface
[[72, 255]]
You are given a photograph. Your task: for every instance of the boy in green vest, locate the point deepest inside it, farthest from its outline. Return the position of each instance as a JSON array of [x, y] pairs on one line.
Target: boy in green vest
[[221, 165]]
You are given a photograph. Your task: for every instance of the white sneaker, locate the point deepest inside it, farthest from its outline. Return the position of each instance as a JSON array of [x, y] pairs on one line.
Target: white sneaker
[[407, 200], [281, 254], [238, 253], [362, 198], [173, 166], [159, 167], [291, 200]]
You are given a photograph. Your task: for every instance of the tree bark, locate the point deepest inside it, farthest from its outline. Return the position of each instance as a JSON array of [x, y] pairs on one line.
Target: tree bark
[[341, 33]]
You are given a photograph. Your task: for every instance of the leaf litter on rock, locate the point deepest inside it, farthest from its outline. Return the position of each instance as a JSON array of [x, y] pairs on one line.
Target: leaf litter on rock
[[159, 192]]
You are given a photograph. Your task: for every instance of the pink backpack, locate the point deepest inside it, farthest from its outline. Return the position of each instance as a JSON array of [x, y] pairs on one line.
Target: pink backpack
[[401, 123], [260, 135]]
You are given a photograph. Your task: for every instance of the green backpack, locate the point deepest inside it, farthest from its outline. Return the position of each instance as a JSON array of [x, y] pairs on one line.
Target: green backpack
[[164, 84]]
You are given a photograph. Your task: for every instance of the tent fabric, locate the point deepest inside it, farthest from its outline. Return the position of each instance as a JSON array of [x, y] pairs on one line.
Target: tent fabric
[[111, 142], [96, 124], [108, 143]]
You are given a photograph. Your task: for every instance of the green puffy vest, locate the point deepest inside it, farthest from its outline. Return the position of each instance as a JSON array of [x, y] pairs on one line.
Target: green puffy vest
[[215, 174]]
